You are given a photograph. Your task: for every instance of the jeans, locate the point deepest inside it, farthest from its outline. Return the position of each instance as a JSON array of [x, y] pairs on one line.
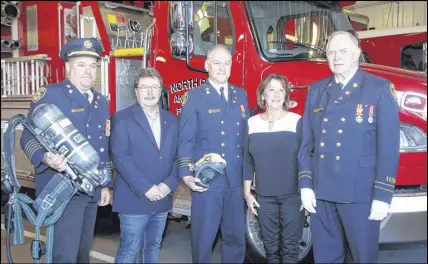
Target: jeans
[[140, 233], [281, 226]]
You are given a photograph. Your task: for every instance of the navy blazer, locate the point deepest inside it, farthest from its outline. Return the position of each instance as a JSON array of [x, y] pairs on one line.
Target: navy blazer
[[139, 162]]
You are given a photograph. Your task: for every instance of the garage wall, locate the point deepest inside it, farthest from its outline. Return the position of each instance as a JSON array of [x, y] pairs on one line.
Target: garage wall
[[392, 14]]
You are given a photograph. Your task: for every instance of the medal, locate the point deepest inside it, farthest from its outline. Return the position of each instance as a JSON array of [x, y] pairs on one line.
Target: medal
[[371, 112], [243, 111], [359, 113]]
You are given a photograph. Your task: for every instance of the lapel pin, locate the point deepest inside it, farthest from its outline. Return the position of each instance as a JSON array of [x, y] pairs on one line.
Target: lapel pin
[[355, 85]]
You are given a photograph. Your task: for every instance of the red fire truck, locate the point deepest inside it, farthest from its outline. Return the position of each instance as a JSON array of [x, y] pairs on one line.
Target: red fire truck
[[286, 37], [404, 47]]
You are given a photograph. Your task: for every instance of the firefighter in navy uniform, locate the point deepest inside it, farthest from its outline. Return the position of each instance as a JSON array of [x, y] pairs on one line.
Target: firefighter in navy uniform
[[348, 157], [88, 110], [213, 120]]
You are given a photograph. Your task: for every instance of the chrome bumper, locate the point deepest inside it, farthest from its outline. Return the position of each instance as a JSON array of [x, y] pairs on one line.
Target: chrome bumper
[[407, 221]]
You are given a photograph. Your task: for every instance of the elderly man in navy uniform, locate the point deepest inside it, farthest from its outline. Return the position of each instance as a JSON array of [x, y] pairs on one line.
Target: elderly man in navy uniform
[[348, 157], [213, 120], [88, 110]]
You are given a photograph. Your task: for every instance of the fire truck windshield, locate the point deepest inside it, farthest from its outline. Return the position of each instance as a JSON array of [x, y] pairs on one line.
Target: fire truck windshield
[[294, 30]]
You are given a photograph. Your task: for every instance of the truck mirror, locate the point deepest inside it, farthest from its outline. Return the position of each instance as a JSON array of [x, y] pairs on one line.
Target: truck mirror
[[163, 101]]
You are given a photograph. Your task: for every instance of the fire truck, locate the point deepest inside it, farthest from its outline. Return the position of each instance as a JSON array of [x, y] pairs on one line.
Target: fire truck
[[406, 47], [287, 37]]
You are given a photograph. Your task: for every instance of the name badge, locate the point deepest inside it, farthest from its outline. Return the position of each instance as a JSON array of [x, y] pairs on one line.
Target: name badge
[[76, 110], [107, 130], [317, 110], [211, 111]]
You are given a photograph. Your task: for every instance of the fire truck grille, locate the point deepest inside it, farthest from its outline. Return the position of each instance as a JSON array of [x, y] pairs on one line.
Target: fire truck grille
[[411, 190], [182, 199], [126, 72]]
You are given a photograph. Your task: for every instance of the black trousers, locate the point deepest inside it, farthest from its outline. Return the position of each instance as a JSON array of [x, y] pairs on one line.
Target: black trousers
[[281, 226], [74, 231]]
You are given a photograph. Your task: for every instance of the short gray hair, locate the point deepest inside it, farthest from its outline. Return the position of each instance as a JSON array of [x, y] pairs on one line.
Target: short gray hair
[[351, 36], [218, 46], [148, 73]]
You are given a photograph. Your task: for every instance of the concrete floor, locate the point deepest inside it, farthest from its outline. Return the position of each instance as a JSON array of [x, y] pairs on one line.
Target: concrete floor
[[176, 246]]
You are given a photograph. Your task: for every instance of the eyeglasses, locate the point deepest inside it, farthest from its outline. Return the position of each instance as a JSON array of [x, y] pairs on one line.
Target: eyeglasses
[[145, 88]]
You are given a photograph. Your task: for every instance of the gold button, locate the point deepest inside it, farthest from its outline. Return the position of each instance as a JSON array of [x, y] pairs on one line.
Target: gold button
[[96, 106], [338, 144], [223, 155], [222, 132], [99, 126], [335, 102], [323, 131], [322, 156], [102, 149], [222, 144], [221, 121], [237, 134], [337, 157], [325, 119], [89, 137], [87, 125], [322, 144], [237, 123], [340, 131], [342, 119], [238, 156], [101, 137], [160, 157]]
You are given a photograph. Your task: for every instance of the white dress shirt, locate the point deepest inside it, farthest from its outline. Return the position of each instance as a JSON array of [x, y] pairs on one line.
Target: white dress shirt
[[155, 125], [217, 88], [345, 82]]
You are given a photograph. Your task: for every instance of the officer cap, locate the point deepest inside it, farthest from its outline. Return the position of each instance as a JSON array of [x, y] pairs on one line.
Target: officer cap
[[82, 47]]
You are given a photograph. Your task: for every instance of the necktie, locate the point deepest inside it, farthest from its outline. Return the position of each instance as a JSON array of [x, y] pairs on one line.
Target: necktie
[[340, 86], [87, 97], [222, 94]]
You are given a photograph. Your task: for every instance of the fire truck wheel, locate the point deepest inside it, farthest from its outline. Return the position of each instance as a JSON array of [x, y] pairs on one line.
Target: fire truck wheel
[[255, 252]]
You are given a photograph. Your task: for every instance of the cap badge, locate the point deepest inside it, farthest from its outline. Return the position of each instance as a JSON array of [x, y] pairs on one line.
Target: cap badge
[[87, 44]]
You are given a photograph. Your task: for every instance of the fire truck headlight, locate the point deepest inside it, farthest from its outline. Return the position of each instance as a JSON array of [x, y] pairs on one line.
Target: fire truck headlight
[[413, 102], [412, 139]]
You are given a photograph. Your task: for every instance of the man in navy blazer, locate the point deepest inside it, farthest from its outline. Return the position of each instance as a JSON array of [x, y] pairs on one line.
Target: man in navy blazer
[[143, 147]]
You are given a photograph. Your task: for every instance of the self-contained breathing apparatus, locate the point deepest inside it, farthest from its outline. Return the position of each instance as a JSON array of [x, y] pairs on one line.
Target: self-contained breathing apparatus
[[56, 134]]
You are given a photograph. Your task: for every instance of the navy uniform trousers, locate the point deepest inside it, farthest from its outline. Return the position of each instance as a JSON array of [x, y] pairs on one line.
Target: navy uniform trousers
[[210, 125], [73, 232], [334, 222]]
